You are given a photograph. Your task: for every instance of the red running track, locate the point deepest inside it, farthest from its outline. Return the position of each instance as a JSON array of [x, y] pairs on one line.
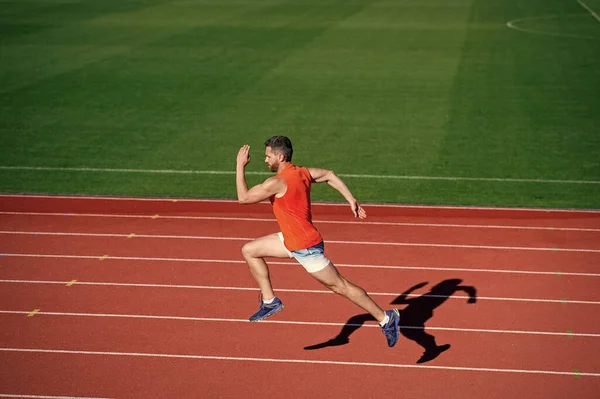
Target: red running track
[[142, 298]]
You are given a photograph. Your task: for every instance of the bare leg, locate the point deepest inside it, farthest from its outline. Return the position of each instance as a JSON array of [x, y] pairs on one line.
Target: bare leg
[[254, 252], [332, 279]]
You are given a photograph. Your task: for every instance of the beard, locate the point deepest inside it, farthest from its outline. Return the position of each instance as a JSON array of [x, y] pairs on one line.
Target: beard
[[274, 167]]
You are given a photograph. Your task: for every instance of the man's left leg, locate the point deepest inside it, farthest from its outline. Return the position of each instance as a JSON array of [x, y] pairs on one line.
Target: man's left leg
[[332, 279], [388, 320]]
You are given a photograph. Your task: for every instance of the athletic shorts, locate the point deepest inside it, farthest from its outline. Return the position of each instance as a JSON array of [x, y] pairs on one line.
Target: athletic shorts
[[313, 259]]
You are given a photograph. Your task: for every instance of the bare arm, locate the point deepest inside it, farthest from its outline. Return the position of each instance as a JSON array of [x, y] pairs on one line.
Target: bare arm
[[329, 177], [258, 193], [271, 186]]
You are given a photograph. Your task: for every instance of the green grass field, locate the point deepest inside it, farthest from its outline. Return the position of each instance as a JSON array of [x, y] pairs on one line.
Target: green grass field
[[397, 90]]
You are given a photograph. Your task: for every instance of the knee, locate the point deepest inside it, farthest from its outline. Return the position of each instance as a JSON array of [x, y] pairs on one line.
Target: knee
[[248, 250]]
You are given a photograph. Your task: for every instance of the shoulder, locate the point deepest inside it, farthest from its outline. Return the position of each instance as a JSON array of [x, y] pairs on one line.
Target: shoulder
[[273, 179], [274, 182], [318, 174], [304, 171]]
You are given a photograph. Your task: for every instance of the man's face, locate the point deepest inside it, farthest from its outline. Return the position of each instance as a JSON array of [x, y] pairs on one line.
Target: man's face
[[272, 159]]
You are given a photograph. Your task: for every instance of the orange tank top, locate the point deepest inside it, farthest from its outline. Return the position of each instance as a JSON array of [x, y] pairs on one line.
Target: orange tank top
[[293, 212]]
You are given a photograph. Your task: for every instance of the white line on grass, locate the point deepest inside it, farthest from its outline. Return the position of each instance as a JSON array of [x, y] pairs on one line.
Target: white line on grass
[[589, 10], [343, 242], [345, 175], [514, 24], [303, 323], [306, 291], [317, 221], [363, 266], [299, 361]]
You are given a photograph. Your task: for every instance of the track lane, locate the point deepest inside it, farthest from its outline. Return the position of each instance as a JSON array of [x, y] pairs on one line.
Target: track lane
[[546, 260], [331, 232], [303, 307], [554, 287], [158, 378], [398, 213], [367, 345], [487, 345]]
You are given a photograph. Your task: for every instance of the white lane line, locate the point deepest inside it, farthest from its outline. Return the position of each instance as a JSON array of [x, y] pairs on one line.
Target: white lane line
[[345, 175], [303, 323], [317, 221], [589, 10], [593, 212], [307, 291], [345, 242], [493, 247], [451, 269], [297, 361], [8, 395]]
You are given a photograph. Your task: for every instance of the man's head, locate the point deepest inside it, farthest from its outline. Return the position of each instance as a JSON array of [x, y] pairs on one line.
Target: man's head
[[279, 149]]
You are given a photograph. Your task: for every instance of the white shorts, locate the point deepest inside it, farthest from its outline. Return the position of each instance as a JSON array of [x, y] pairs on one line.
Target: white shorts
[[313, 259]]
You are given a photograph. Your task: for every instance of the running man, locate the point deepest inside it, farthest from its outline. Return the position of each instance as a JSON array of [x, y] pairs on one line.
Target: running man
[[289, 193]]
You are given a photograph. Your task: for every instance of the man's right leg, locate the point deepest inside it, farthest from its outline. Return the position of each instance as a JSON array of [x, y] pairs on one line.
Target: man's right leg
[[254, 252]]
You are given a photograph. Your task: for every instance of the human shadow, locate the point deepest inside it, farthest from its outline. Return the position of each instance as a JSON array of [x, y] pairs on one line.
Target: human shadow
[[413, 317]]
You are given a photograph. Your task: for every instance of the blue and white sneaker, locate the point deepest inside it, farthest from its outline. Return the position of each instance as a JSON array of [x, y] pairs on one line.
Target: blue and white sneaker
[[267, 309], [391, 329]]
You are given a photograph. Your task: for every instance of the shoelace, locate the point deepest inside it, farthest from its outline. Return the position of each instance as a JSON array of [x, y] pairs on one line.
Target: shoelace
[[390, 329], [265, 305], [272, 305]]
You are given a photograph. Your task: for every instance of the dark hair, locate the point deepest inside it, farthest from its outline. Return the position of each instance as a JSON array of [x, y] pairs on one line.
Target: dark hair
[[282, 145]]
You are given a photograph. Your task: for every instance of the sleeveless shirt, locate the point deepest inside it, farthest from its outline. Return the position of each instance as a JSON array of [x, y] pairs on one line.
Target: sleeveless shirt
[[293, 212]]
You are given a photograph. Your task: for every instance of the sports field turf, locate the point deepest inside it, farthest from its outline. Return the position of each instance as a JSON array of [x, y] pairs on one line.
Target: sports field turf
[[472, 102]]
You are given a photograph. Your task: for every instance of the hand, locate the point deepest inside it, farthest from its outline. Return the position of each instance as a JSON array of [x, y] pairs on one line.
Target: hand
[[243, 157], [357, 210]]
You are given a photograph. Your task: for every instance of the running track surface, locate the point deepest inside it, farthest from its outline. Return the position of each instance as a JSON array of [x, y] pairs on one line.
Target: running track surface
[[142, 298]]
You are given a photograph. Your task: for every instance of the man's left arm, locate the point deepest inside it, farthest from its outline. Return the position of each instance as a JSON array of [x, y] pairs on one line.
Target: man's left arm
[[329, 177]]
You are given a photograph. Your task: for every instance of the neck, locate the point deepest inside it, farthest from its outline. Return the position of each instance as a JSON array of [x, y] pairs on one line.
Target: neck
[[282, 166]]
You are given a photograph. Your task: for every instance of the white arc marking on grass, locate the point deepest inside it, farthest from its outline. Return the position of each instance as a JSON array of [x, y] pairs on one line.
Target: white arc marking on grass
[[514, 24], [589, 10]]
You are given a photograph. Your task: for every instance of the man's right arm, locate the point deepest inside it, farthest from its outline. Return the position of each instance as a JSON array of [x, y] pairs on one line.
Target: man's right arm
[[328, 176]]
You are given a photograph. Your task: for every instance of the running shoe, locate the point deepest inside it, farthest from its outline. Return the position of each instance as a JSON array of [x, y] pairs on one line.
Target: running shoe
[[267, 309], [391, 329]]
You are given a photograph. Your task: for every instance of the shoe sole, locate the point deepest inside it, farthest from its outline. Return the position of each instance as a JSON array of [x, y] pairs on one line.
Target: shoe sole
[[268, 315]]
